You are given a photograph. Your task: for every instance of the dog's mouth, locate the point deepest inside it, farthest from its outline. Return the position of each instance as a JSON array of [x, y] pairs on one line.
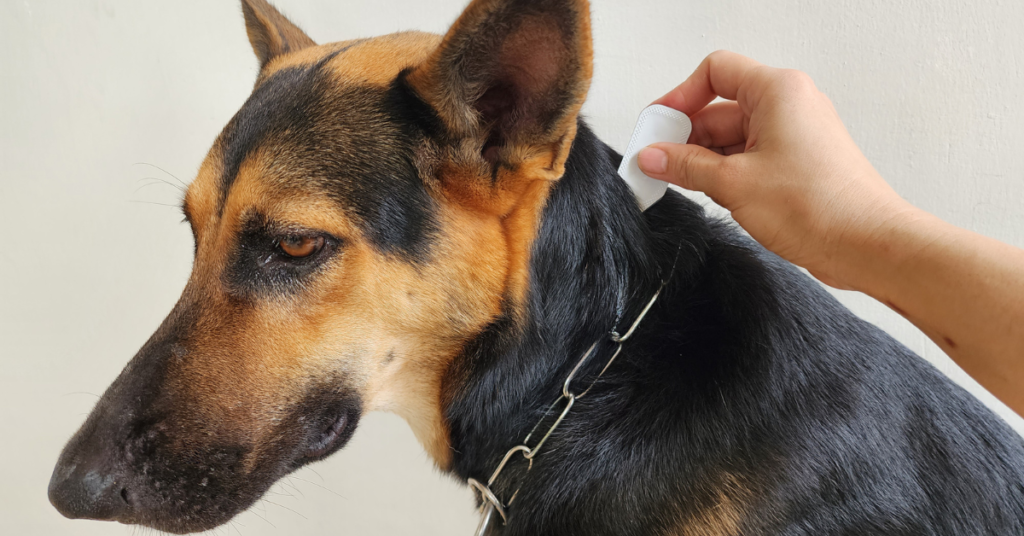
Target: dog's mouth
[[329, 433]]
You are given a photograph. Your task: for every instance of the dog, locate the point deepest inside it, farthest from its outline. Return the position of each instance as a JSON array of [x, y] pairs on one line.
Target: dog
[[424, 224]]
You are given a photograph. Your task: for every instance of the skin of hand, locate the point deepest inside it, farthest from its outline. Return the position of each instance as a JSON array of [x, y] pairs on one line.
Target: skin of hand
[[776, 155]]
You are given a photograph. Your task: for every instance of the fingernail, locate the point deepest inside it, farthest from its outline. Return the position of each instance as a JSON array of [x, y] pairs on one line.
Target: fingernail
[[652, 160]]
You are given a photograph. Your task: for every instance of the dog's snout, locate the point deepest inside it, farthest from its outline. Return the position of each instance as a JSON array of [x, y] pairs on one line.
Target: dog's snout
[[79, 490]]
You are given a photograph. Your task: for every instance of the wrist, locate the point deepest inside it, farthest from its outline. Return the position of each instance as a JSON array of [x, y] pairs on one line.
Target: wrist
[[872, 257]]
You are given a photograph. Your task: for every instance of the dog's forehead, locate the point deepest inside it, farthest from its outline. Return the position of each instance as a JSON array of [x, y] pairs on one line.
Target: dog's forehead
[[371, 61], [328, 120]]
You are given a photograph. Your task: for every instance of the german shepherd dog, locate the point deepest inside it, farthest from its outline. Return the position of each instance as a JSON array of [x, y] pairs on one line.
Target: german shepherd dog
[[424, 225]]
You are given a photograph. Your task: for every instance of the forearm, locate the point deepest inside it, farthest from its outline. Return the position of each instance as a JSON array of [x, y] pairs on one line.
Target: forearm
[[964, 290]]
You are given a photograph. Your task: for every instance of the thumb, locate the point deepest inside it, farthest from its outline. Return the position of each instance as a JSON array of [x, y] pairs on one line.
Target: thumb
[[690, 166]]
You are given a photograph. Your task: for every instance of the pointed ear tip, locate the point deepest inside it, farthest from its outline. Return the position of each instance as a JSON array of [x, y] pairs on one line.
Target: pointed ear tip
[[250, 12], [270, 33]]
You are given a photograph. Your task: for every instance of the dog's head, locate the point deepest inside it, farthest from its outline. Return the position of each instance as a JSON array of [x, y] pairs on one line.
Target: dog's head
[[368, 210]]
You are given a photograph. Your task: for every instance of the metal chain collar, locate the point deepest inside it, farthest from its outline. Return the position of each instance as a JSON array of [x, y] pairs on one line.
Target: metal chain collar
[[491, 502]]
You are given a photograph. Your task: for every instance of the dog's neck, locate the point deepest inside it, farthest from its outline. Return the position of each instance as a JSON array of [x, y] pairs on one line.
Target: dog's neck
[[596, 262]]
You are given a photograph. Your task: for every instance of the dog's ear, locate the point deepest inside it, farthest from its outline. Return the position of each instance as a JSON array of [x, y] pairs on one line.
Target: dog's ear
[[270, 33], [512, 74]]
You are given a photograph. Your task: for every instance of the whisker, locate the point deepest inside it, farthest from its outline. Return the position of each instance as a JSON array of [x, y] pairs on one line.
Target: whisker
[[286, 508], [325, 488], [161, 169], [157, 180], [288, 482], [317, 474], [153, 203], [81, 393], [263, 518], [281, 493]]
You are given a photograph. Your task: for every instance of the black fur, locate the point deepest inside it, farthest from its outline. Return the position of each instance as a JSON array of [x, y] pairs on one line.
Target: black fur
[[746, 380], [408, 111], [748, 401], [352, 143]]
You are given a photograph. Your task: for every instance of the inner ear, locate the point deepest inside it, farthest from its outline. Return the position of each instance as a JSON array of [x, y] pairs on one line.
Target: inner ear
[[510, 72], [521, 96]]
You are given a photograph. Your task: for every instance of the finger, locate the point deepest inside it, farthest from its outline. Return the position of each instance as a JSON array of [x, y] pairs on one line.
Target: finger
[[720, 124], [719, 75], [690, 166], [734, 149]]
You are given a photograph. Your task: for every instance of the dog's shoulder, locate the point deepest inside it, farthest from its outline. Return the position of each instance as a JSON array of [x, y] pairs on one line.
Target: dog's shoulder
[[827, 411]]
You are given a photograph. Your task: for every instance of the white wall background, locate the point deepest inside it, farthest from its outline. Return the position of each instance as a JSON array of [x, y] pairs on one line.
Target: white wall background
[[104, 102]]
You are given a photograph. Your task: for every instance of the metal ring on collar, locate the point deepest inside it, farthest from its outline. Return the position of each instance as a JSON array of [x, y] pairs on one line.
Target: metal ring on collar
[[488, 496]]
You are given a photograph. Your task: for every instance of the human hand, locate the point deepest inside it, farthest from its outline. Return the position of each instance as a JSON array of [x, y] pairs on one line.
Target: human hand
[[777, 156]]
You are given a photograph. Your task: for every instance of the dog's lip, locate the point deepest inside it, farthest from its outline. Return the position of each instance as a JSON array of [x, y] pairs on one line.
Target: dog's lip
[[328, 439]]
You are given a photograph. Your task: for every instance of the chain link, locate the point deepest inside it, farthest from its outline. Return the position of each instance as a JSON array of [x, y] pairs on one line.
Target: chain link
[[491, 502]]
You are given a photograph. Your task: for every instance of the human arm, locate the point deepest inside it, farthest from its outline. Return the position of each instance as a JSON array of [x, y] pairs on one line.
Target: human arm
[[777, 156]]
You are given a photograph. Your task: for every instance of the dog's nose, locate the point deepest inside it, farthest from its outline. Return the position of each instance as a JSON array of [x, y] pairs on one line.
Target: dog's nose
[[78, 491]]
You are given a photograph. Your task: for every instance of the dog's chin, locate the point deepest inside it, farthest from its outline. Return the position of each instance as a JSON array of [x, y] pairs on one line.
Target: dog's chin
[[181, 525]]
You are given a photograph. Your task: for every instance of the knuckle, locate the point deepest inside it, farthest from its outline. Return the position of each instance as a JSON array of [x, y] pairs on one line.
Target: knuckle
[[719, 55], [683, 165], [681, 168], [798, 80], [729, 174], [729, 168], [720, 59]]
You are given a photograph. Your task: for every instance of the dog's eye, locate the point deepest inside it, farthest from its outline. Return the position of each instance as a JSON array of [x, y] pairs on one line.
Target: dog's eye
[[300, 246]]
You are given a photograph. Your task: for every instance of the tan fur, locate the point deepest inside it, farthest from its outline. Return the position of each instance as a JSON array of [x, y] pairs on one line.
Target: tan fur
[[386, 328], [371, 62], [720, 515], [527, 165], [366, 307]]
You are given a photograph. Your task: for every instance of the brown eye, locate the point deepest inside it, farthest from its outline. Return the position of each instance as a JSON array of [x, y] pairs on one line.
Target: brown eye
[[301, 246]]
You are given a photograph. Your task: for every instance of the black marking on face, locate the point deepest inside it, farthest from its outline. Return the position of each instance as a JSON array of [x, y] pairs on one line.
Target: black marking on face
[[353, 143], [409, 110], [275, 106]]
